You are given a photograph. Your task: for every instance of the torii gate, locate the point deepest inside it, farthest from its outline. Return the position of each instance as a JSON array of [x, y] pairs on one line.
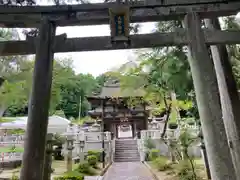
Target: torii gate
[[47, 18]]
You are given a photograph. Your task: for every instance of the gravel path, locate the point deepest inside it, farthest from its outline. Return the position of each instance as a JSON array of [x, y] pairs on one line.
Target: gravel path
[[128, 171]]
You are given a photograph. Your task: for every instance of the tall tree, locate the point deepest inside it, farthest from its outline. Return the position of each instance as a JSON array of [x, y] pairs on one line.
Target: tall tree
[[73, 95], [14, 72]]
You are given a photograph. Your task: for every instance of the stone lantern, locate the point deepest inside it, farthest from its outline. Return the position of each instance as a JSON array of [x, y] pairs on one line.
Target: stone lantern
[[154, 124], [48, 157], [95, 127], [172, 142], [81, 141], [70, 147]]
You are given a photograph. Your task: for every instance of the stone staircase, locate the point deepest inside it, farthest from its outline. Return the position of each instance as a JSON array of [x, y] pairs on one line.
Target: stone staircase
[[126, 150]]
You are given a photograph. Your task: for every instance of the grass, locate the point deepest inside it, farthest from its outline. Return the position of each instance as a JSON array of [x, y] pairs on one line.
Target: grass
[[9, 149], [199, 161], [60, 169], [170, 174]]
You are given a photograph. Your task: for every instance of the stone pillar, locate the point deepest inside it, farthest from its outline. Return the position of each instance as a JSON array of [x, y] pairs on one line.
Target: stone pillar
[[228, 95], [81, 145], [133, 130], [69, 152], [116, 128], [48, 158], [208, 101], [34, 146], [172, 142]]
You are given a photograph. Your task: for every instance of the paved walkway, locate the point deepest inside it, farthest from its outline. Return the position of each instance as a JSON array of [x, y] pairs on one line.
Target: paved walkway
[[128, 171], [93, 177]]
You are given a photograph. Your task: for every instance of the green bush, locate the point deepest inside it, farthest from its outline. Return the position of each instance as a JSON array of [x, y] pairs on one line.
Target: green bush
[[172, 125], [92, 160], [14, 177], [69, 178], [147, 156], [149, 144], [184, 171], [154, 154], [161, 163], [98, 154], [85, 168], [73, 173]]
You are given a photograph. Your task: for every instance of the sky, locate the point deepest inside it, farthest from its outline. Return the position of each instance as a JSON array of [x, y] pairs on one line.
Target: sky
[[98, 62]]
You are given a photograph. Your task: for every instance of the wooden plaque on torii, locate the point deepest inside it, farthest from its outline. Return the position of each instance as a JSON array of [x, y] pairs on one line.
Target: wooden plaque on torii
[[119, 23]]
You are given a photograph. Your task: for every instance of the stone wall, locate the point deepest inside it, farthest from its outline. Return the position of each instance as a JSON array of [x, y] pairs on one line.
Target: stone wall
[[194, 150]]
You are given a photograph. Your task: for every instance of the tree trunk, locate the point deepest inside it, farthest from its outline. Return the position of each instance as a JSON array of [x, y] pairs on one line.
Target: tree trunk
[[208, 101], [228, 95], [168, 108]]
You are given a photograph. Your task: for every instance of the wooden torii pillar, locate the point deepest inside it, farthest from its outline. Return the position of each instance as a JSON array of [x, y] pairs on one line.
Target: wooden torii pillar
[[208, 101], [34, 145], [228, 95]]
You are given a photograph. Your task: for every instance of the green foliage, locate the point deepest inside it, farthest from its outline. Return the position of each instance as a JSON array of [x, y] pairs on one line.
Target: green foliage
[[159, 73], [73, 175], [92, 160], [14, 177], [85, 168], [98, 154], [162, 164], [184, 171], [153, 154], [186, 139], [11, 149], [69, 178], [101, 79], [83, 120], [3, 120], [73, 94], [67, 88], [149, 144], [58, 139], [172, 125], [16, 131]]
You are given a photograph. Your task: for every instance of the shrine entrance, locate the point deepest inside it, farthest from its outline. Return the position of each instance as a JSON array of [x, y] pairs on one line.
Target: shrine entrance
[[115, 112], [124, 130]]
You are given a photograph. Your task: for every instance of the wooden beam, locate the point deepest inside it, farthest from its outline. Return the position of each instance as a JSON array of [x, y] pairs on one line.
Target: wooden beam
[[178, 37], [72, 16], [208, 101], [100, 6], [228, 92]]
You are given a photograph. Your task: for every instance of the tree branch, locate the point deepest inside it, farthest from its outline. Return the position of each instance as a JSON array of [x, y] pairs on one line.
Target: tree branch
[[168, 108]]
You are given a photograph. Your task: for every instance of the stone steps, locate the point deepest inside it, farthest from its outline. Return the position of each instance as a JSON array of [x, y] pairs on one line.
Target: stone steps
[[127, 160], [126, 151]]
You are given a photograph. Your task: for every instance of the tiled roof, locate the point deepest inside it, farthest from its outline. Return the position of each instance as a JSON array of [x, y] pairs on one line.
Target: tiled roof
[[113, 89], [119, 92]]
